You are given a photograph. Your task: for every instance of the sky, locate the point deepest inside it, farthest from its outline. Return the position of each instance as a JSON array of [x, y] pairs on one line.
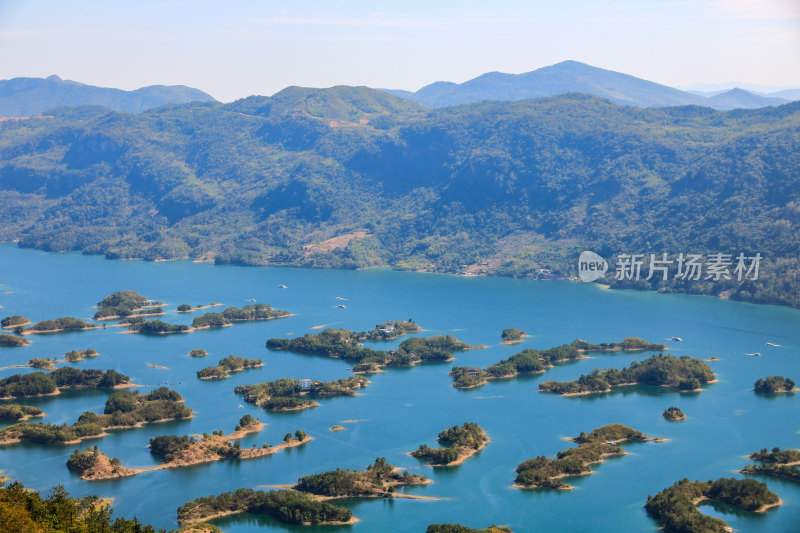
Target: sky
[[233, 49]]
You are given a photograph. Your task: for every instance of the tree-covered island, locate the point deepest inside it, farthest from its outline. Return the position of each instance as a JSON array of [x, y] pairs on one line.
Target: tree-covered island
[[774, 384], [528, 361], [291, 394], [628, 344], [379, 480], [344, 344], [198, 352], [126, 303], [393, 329], [14, 321], [14, 412], [227, 366], [124, 409], [13, 341], [783, 464], [673, 414], [248, 313], [153, 327], [675, 508], [512, 335], [683, 373], [41, 384], [593, 448], [186, 308], [180, 451], [58, 325], [287, 506], [460, 443]]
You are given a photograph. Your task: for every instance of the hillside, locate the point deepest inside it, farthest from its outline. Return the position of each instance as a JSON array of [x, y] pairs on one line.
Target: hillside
[[353, 177], [25, 97], [576, 77]]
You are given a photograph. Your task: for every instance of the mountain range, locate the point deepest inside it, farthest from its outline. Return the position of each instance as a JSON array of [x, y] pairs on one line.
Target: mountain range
[[25, 97], [576, 77], [354, 177]]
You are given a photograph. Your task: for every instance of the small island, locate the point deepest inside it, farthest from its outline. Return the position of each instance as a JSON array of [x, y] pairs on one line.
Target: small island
[[123, 410], [13, 341], [185, 308], [593, 448], [228, 365], [126, 303], [14, 412], [774, 385], [675, 508], [783, 464], [198, 352], [292, 395], [153, 327], [287, 506], [683, 373], [14, 321], [629, 344], [461, 443], [391, 330], [181, 451], [458, 528], [512, 336], [41, 384], [379, 480], [59, 325], [344, 344], [673, 414], [248, 313], [528, 361], [73, 356]]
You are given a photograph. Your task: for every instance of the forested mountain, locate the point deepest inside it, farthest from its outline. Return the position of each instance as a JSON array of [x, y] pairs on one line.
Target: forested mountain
[[353, 177], [576, 77], [25, 97]]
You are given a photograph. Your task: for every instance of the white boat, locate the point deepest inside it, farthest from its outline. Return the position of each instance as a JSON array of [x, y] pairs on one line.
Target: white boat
[[772, 344], [755, 354], [676, 339], [340, 306], [282, 286]]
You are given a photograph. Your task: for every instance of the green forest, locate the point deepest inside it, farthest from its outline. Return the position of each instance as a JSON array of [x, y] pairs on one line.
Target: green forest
[[499, 188]]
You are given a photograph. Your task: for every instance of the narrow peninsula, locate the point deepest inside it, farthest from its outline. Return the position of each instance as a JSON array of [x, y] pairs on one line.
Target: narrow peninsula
[[783, 464]]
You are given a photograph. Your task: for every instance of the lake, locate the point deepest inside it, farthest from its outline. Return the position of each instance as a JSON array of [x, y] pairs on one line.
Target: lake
[[403, 408]]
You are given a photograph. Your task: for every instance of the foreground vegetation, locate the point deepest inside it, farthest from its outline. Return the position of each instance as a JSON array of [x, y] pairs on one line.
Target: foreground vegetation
[[27, 511], [288, 394], [344, 344], [675, 508], [683, 373], [593, 448], [228, 365], [284, 505], [461, 443]]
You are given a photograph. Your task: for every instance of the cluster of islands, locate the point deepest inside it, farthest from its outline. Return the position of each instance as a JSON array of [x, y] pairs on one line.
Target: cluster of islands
[[309, 500]]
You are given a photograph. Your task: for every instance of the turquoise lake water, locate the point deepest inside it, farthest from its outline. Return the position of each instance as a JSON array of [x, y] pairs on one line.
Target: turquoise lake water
[[403, 408]]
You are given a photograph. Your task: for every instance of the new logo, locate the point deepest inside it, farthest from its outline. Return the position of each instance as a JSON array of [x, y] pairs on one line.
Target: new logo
[[591, 266]]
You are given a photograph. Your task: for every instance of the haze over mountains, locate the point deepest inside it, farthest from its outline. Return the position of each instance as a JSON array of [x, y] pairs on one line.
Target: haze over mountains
[[576, 77], [24, 97]]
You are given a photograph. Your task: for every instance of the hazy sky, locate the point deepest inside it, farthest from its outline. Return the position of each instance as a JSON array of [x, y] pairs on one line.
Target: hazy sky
[[236, 48]]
